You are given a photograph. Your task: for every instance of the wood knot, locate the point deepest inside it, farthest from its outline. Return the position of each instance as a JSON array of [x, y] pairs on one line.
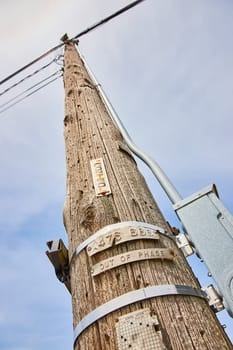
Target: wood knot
[[68, 119], [89, 214]]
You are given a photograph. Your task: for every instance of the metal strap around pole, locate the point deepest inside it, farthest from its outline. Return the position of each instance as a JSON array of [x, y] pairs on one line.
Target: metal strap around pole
[[133, 297], [117, 226]]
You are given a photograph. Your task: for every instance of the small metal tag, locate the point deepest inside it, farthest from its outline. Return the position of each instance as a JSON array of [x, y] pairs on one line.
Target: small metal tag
[[100, 179], [131, 256], [115, 237], [139, 330]]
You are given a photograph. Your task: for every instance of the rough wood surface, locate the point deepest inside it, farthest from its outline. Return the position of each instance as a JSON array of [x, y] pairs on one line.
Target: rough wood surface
[[186, 322]]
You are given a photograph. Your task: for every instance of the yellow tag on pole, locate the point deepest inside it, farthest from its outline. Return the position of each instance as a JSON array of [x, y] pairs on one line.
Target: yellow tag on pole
[[100, 179]]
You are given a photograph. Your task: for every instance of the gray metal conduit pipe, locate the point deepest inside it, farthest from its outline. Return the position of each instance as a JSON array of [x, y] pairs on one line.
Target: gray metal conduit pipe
[[162, 178]]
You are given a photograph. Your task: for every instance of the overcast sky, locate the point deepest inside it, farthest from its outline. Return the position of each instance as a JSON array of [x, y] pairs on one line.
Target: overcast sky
[[167, 68]]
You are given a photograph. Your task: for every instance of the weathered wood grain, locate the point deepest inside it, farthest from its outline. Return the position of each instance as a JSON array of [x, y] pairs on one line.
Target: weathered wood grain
[[186, 322]]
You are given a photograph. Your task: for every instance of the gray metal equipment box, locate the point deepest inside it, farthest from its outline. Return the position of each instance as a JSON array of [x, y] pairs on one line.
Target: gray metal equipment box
[[209, 227]]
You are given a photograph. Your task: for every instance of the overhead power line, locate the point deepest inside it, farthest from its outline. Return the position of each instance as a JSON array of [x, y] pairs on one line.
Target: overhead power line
[[94, 26], [28, 89], [31, 63], [105, 20], [27, 77], [31, 93]]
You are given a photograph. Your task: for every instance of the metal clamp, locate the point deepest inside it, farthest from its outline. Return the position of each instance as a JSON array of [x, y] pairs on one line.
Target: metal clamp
[[214, 298], [133, 297], [109, 228], [184, 245]]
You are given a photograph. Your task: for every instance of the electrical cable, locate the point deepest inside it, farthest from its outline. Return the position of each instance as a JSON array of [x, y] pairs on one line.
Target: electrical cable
[[103, 21], [27, 77], [31, 63], [28, 89], [23, 98]]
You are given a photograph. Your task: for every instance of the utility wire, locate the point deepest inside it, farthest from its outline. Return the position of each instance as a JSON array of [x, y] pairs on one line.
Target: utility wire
[[27, 77], [28, 89], [103, 21], [31, 63], [31, 93]]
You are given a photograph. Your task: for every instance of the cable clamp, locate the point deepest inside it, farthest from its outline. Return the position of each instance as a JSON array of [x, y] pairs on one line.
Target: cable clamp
[[183, 243], [59, 60], [214, 298]]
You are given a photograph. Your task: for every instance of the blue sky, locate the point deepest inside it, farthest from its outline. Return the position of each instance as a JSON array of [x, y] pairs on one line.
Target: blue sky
[[167, 68]]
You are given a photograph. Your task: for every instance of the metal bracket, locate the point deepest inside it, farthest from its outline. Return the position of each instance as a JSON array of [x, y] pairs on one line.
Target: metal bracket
[[131, 298], [214, 298], [58, 255], [184, 245]]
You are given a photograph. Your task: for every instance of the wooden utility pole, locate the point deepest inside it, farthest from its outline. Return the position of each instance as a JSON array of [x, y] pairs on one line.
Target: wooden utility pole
[[137, 257]]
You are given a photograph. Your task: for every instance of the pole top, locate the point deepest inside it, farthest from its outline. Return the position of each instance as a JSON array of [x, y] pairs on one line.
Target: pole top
[[65, 39]]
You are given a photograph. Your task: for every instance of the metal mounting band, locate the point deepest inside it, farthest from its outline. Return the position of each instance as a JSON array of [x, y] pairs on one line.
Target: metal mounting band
[[116, 226], [133, 297]]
